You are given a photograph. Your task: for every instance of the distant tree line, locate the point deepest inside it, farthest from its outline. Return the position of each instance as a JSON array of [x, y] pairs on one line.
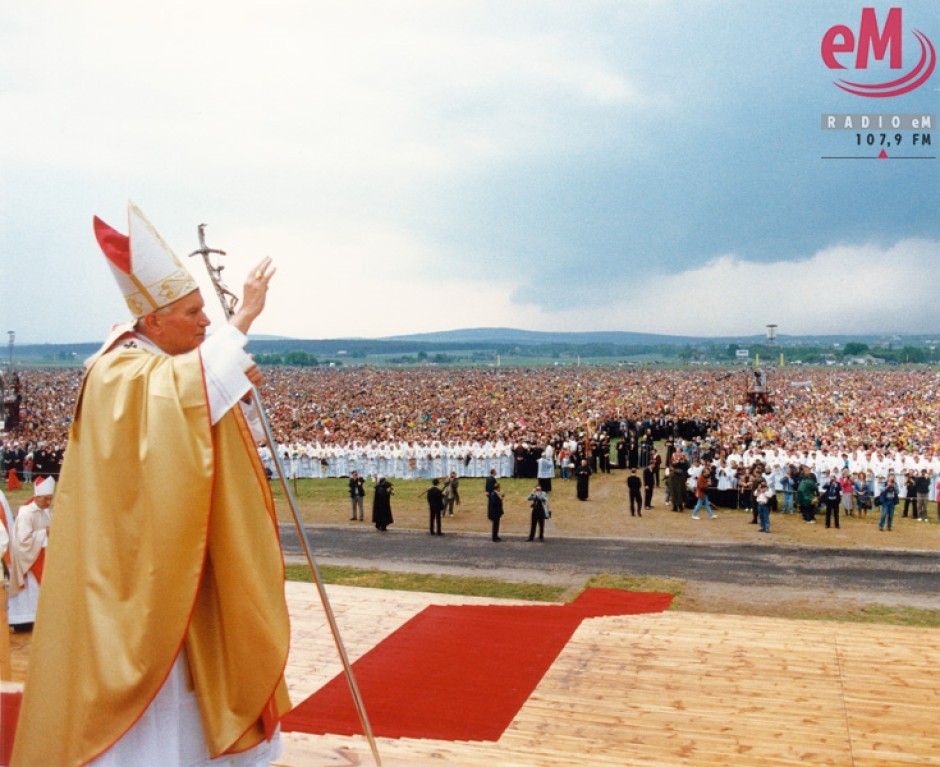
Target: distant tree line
[[903, 355], [711, 353], [295, 358], [314, 353]]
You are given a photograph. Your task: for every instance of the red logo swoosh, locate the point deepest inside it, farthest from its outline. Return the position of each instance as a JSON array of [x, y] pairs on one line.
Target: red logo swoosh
[[913, 79]]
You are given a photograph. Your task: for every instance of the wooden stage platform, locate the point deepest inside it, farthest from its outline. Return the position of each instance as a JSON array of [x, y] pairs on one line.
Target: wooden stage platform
[[656, 690], [663, 689]]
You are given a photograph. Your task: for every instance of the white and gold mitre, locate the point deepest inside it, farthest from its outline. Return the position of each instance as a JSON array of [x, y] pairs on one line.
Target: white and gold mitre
[[148, 273]]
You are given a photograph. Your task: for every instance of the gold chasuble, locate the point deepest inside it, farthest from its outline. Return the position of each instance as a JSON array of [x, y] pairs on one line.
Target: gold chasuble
[[164, 538]]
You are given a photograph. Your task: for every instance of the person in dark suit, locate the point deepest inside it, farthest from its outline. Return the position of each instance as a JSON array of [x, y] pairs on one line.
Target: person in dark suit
[[603, 453], [656, 462], [832, 494], [670, 450], [622, 453], [649, 482], [435, 506], [646, 449], [636, 502], [922, 486], [491, 482], [910, 498], [494, 510]]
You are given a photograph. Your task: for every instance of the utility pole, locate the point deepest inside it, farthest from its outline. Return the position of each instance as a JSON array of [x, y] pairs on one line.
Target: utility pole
[[3, 393]]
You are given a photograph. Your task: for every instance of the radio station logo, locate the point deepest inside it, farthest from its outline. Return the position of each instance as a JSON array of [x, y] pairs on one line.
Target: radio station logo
[[842, 48]]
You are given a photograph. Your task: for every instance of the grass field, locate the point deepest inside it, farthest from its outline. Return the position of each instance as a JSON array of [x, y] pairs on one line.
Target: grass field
[[541, 592], [605, 514]]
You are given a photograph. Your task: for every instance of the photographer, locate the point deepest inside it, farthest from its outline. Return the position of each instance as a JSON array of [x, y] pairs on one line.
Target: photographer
[[539, 502], [451, 493], [357, 492]]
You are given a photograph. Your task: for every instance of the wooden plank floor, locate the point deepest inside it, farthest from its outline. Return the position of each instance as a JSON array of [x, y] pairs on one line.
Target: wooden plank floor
[[684, 689], [669, 689]]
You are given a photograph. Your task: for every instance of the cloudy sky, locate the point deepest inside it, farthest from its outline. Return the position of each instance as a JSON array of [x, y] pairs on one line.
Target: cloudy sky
[[644, 165]]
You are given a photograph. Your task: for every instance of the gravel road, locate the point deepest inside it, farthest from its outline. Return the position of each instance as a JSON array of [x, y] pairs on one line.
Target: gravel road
[[866, 575]]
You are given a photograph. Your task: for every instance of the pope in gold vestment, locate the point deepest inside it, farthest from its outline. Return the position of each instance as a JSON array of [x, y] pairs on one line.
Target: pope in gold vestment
[[164, 541]]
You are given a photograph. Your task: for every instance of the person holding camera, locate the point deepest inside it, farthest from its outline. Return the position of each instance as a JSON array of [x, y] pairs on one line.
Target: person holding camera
[[451, 493], [540, 512], [357, 493]]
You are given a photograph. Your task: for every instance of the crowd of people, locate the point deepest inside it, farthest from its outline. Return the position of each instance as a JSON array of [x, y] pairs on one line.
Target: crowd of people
[[434, 422], [851, 483], [45, 404]]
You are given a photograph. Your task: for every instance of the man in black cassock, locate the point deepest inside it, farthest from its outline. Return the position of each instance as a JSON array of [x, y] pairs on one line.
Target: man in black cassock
[[677, 479], [633, 451], [382, 505], [583, 475]]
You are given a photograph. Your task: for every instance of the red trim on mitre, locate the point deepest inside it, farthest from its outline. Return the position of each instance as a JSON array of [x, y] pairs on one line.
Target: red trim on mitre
[[116, 246]]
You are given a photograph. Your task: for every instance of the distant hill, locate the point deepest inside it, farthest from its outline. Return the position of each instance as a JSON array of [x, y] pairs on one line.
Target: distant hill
[[531, 337], [505, 341], [627, 338]]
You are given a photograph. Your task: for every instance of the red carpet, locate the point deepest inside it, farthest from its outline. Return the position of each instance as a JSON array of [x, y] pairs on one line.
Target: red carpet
[[459, 672]]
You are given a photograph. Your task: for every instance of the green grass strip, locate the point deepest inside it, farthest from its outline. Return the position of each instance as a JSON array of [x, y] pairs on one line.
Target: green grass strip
[[536, 592], [434, 584], [888, 615]]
